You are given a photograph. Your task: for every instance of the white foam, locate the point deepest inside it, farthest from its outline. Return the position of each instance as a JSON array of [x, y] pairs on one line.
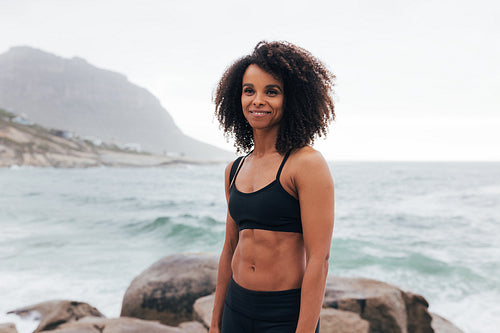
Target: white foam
[[23, 325]]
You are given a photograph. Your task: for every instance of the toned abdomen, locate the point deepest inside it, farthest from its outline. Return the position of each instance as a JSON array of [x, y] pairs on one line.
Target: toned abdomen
[[268, 260]]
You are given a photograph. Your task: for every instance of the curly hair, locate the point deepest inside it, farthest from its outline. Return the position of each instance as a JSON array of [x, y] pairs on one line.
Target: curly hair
[[308, 105]]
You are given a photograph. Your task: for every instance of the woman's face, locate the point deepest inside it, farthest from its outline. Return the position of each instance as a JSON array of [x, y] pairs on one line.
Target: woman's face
[[261, 98]]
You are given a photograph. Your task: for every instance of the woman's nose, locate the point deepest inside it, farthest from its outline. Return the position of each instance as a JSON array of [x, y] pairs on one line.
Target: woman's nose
[[258, 100]]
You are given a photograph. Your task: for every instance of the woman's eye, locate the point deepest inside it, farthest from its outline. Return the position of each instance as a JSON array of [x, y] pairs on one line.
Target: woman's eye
[[248, 90], [272, 92]]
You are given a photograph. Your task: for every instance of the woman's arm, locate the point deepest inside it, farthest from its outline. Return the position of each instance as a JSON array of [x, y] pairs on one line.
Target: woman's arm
[[314, 186], [224, 272]]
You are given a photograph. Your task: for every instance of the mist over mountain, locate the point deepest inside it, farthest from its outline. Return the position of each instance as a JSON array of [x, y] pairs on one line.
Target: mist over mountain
[[73, 95]]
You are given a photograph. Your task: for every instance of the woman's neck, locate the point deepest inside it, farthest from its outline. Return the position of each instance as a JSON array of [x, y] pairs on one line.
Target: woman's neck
[[264, 142]]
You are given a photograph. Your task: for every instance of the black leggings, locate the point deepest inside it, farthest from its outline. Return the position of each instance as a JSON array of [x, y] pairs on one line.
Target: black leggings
[[249, 311]]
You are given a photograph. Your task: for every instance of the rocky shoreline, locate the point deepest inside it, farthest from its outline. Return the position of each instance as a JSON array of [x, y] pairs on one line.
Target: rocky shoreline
[[23, 143], [175, 295]]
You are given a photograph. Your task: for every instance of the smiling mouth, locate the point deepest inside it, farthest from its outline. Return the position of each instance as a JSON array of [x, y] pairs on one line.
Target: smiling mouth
[[260, 112]]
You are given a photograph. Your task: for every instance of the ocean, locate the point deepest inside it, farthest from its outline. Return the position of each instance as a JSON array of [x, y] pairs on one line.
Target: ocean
[[83, 234]]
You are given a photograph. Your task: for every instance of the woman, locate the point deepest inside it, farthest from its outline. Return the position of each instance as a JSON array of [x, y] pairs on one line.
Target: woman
[[274, 263]]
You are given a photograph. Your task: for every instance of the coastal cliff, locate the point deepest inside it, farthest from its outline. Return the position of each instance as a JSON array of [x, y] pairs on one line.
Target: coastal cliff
[[73, 95]]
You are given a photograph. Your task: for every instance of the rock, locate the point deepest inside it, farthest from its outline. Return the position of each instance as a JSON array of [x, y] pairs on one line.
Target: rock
[[441, 325], [332, 320], [419, 318], [122, 325], [36, 311], [8, 328], [57, 312], [203, 309], [167, 290], [386, 307], [193, 327], [338, 321], [362, 305]]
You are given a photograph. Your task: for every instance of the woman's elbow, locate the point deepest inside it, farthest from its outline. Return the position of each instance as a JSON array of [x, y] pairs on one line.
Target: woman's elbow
[[321, 259]]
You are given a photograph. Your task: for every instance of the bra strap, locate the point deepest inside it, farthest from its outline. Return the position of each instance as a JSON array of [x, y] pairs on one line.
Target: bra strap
[[282, 164], [239, 162], [234, 167]]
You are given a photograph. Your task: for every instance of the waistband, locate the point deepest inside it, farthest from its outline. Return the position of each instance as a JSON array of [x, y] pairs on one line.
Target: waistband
[[276, 306]]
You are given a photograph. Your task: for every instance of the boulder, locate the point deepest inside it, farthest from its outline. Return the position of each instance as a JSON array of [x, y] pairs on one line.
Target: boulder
[[419, 318], [338, 321], [441, 325], [332, 320], [123, 325], [192, 327], [387, 308], [203, 309], [8, 328], [167, 290], [57, 312]]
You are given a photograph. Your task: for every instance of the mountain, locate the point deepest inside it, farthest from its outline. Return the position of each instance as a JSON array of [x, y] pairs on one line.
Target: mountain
[[73, 95]]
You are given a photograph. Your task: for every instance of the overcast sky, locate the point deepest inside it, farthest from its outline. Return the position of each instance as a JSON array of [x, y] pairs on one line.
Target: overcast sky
[[416, 80]]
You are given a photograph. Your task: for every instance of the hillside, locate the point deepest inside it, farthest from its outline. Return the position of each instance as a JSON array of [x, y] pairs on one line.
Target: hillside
[[28, 144], [74, 95]]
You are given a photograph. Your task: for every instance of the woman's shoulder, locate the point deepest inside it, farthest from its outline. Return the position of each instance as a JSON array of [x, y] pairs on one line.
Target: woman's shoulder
[[231, 166], [309, 163], [307, 156]]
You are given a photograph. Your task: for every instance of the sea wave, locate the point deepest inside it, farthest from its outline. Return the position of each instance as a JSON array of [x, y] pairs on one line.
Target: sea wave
[[431, 228]]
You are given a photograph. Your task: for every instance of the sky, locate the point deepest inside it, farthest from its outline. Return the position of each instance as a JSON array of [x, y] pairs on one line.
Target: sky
[[416, 80]]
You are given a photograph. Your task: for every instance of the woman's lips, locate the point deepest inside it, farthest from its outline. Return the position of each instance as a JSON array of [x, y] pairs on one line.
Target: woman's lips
[[260, 113]]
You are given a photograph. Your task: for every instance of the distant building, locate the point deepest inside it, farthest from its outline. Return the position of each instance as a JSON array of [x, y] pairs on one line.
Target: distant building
[[93, 140], [174, 154], [22, 121], [132, 147], [62, 133]]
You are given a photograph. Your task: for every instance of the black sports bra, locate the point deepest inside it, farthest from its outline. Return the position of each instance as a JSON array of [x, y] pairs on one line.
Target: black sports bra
[[270, 208]]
